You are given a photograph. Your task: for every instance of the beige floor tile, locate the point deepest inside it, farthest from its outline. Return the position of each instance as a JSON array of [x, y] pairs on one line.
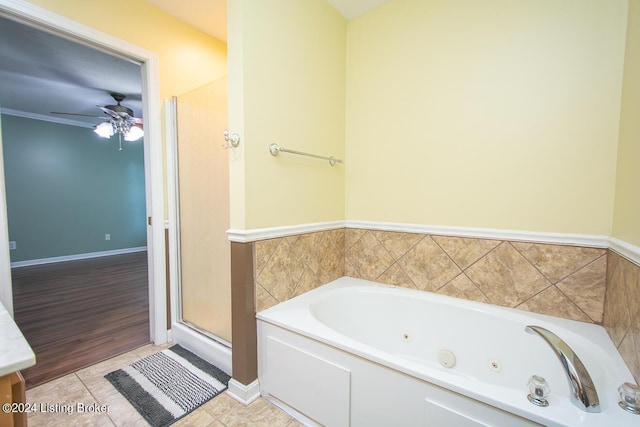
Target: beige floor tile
[[259, 413], [121, 412], [89, 387], [149, 349], [64, 402], [198, 418]]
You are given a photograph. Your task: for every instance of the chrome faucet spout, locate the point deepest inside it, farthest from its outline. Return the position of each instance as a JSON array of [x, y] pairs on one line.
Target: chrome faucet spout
[[583, 391]]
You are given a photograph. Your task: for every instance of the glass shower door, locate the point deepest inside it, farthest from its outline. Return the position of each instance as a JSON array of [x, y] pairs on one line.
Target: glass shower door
[[203, 211]]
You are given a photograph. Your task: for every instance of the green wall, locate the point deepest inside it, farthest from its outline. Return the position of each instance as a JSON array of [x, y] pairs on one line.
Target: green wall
[[66, 188]]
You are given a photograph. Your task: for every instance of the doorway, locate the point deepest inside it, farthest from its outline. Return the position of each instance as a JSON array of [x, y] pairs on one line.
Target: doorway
[[156, 286]]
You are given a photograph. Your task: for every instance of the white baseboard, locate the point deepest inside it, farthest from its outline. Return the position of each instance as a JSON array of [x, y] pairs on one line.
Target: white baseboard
[[203, 346], [76, 257], [244, 394]]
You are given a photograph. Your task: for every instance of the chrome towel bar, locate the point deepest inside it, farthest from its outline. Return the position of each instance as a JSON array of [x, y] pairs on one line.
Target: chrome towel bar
[[274, 149]]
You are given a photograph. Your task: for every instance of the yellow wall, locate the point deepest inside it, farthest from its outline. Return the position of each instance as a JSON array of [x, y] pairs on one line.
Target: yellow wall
[[626, 225], [494, 114], [287, 64], [188, 58]]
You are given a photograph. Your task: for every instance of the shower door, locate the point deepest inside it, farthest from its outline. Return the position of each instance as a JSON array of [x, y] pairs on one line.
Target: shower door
[[203, 211]]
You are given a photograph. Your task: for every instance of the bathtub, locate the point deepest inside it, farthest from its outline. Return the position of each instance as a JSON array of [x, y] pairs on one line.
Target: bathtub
[[359, 353]]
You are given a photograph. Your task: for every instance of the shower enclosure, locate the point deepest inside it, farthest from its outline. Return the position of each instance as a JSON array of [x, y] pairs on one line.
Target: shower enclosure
[[202, 193]]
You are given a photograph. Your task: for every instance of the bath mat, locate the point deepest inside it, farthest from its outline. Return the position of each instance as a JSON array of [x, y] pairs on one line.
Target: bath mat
[[168, 385]]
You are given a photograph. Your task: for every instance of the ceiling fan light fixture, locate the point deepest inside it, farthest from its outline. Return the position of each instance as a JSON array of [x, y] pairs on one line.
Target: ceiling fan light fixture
[[134, 133], [104, 129]]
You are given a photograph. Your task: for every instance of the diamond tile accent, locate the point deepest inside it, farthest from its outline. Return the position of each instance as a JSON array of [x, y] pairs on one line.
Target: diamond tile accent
[[465, 251], [289, 266], [616, 311], [463, 287], [397, 244], [622, 309], [428, 266], [264, 299], [396, 276], [586, 288], [506, 277], [554, 303], [263, 251], [352, 235], [556, 261], [368, 257]]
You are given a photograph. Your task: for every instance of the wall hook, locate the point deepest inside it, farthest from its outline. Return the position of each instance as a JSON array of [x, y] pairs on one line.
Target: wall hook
[[232, 139]]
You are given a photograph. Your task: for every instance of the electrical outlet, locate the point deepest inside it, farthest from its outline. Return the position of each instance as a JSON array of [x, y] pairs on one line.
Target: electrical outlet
[[107, 237], [12, 245]]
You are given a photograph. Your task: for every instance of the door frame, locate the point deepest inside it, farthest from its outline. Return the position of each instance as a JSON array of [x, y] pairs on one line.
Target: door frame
[[153, 163]]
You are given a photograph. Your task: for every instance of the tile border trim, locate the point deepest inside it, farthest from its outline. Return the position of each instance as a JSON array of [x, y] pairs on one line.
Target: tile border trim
[[253, 235], [623, 248], [626, 250]]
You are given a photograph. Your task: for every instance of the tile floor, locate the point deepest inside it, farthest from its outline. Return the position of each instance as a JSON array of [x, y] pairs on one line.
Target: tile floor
[[89, 388]]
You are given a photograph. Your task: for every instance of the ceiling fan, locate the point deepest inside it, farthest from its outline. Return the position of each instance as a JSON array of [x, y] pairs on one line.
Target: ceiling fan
[[120, 120]]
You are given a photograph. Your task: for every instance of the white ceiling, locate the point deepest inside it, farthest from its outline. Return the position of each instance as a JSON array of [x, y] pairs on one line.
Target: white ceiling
[[41, 72]]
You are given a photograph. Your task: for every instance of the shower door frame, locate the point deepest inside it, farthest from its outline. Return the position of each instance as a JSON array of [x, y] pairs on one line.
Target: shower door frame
[[209, 346]]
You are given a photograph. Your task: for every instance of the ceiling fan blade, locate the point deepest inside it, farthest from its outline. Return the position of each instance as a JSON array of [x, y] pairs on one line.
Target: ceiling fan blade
[[74, 114], [110, 112]]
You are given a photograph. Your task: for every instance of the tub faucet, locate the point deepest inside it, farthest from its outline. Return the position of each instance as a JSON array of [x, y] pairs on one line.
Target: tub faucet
[[583, 391]]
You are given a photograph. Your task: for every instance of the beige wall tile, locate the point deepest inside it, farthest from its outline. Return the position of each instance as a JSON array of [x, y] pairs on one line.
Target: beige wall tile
[[616, 311], [264, 299], [587, 287], [428, 266], [554, 303], [368, 257], [463, 287], [506, 277], [631, 274], [463, 251], [630, 348], [396, 276], [282, 272], [308, 282], [263, 251], [351, 236], [557, 261], [397, 244]]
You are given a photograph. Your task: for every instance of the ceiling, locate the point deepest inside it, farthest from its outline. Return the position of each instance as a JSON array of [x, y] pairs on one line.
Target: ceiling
[[41, 73]]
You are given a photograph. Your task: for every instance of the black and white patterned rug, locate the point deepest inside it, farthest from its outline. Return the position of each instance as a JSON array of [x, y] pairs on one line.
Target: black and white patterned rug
[[167, 385]]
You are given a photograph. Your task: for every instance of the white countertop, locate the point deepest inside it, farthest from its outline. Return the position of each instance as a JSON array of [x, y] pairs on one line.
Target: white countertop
[[15, 352]]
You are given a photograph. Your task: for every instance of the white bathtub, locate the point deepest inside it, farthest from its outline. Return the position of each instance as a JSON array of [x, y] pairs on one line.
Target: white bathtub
[[359, 353]]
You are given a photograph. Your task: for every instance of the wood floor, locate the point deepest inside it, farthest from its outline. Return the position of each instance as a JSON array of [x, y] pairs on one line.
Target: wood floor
[[77, 313]]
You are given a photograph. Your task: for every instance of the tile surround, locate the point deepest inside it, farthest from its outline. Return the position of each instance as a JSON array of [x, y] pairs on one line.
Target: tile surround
[[559, 280], [622, 309]]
